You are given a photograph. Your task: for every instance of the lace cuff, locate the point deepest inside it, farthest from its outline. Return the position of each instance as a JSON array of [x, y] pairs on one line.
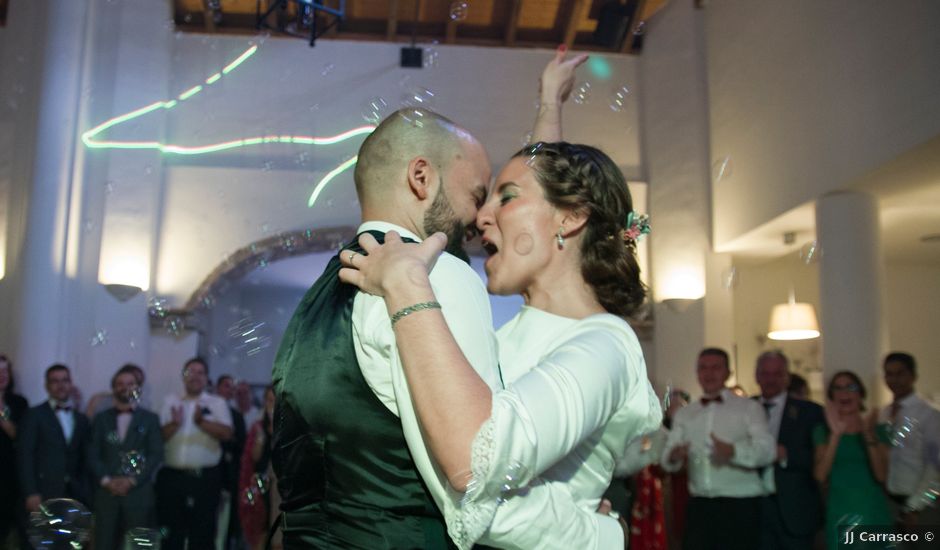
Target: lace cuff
[[475, 510]]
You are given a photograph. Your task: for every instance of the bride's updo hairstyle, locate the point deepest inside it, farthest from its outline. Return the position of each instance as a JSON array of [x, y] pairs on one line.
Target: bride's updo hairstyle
[[583, 179]]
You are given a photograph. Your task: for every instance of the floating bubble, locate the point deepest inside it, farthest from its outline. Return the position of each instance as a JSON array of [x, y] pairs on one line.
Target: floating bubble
[[136, 393], [527, 139], [267, 166], [132, 463], [511, 480], [260, 481], [639, 29], [418, 97], [249, 337], [288, 243], [722, 168], [174, 325], [302, 158], [108, 187], [100, 338], [415, 117], [112, 437], [667, 397], [60, 524], [374, 110], [132, 344], [207, 302], [148, 169], [157, 308], [582, 94], [327, 69], [142, 538], [618, 99], [251, 496], [430, 58], [811, 252], [729, 278], [458, 10], [88, 225], [904, 431]]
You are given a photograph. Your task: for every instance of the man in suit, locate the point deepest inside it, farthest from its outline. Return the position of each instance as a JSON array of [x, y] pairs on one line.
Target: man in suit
[[52, 445], [126, 450], [792, 509]]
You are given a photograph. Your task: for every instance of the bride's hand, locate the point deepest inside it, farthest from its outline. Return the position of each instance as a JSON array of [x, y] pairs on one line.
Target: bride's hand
[[385, 267]]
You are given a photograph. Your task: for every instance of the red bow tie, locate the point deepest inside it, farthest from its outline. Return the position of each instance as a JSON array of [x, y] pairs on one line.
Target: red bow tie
[[707, 400]]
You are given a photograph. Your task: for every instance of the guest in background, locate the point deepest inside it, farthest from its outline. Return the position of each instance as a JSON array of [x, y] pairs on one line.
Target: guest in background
[[103, 401], [851, 458], [12, 409], [51, 447], [245, 403], [792, 509], [914, 424], [725, 442], [677, 483], [798, 387], [258, 498], [125, 452], [229, 531], [194, 424]]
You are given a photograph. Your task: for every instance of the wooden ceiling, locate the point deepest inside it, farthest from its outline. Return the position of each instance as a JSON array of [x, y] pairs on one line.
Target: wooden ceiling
[[504, 23]]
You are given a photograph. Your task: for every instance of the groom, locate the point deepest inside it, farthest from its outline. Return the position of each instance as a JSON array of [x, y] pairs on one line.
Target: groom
[[352, 468]]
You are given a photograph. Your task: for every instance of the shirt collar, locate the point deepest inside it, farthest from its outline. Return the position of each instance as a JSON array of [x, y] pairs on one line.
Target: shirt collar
[[777, 400], [53, 403], [909, 399], [385, 227]]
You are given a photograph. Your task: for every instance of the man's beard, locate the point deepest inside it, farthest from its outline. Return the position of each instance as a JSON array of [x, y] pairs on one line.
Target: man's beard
[[441, 217]]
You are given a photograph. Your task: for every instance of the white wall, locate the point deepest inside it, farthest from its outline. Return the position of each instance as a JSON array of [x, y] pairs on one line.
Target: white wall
[[806, 96], [912, 301]]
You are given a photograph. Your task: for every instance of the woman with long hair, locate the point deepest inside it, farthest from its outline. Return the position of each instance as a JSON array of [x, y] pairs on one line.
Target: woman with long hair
[[559, 229]]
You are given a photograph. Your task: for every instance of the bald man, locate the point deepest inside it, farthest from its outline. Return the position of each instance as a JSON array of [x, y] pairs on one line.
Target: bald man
[[352, 468]]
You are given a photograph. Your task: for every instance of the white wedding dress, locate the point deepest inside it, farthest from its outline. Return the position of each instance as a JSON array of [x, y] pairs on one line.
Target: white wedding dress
[[577, 393]]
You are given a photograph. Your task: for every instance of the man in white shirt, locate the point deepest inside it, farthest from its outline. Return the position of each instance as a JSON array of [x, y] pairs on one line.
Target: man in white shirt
[[418, 173], [724, 442], [188, 487], [914, 425]]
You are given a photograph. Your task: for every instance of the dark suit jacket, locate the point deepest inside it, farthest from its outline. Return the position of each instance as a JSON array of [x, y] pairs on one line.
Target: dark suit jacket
[[105, 451], [798, 493], [49, 465]]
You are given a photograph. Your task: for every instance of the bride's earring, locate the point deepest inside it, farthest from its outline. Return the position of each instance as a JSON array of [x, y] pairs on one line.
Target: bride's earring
[[559, 239]]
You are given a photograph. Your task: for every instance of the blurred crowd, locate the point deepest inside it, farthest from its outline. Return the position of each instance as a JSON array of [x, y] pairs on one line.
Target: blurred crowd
[[194, 474], [726, 471]]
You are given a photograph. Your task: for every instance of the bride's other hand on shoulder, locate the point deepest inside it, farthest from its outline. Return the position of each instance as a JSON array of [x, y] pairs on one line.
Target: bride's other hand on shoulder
[[385, 268]]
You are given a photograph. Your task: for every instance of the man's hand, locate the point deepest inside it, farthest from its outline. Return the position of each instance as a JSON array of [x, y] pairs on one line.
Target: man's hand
[[679, 454], [781, 454], [33, 502], [833, 419], [722, 451], [558, 77], [197, 415]]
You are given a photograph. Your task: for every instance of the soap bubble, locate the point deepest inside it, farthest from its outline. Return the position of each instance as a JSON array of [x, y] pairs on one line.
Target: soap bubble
[[418, 97], [60, 523], [458, 10], [374, 110], [132, 463], [141, 538], [618, 99], [100, 338], [722, 168], [582, 94]]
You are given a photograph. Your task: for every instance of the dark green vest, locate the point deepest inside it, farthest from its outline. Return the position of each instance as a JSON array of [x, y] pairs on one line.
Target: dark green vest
[[343, 468]]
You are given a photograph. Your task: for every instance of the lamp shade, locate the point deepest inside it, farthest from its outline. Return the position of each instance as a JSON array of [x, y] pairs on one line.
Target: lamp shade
[[793, 321]]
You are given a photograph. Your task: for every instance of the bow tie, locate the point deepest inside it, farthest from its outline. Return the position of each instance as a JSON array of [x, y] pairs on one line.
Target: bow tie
[[707, 400], [65, 408]]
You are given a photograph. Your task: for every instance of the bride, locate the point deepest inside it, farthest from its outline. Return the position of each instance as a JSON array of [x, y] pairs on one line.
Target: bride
[[560, 230]]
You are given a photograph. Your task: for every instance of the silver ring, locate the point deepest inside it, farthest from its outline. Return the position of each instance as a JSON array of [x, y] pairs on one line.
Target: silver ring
[[352, 254]]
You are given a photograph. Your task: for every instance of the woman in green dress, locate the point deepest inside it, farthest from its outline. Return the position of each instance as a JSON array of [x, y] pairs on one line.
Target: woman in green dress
[[851, 457]]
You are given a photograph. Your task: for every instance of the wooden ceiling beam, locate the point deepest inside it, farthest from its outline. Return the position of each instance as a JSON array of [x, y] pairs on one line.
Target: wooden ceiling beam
[[391, 30], [207, 16], [636, 24], [571, 26], [512, 22]]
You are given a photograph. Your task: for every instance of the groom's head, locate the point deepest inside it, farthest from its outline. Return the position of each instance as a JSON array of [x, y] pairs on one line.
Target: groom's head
[[421, 171]]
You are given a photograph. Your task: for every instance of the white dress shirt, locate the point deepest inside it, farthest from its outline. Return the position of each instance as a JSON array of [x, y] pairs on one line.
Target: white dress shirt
[[191, 447], [466, 309], [576, 394], [65, 418], [736, 420], [911, 469]]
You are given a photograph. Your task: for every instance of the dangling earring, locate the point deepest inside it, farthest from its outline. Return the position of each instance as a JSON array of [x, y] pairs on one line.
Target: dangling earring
[[559, 239]]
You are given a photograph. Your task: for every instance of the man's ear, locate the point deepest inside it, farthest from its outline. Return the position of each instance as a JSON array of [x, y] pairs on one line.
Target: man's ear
[[420, 177]]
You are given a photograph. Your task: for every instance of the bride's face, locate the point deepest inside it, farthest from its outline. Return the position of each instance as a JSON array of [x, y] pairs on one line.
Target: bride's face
[[518, 228]]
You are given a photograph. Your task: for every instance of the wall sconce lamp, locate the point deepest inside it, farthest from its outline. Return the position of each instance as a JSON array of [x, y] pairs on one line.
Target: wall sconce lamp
[[679, 305], [793, 321], [124, 278], [122, 292]]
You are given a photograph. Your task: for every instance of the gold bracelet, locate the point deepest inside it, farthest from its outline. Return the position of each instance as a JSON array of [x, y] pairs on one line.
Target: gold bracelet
[[406, 311]]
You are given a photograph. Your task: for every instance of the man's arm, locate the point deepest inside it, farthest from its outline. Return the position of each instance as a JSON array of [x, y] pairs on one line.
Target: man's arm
[[554, 88], [759, 448], [220, 428], [26, 458]]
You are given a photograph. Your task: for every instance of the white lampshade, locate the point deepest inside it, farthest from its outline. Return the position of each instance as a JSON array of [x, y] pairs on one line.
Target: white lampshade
[[793, 321]]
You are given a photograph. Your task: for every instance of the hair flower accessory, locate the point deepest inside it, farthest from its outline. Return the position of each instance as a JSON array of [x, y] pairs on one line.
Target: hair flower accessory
[[637, 226]]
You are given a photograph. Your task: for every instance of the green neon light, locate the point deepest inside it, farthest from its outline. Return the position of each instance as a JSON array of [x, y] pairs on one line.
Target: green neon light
[[190, 92], [321, 185], [90, 141]]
